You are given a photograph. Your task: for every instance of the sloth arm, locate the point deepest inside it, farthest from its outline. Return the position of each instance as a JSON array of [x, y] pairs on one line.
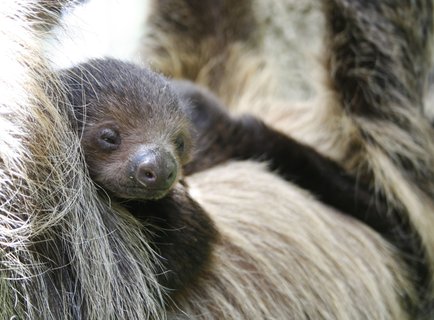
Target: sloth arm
[[181, 233], [219, 137]]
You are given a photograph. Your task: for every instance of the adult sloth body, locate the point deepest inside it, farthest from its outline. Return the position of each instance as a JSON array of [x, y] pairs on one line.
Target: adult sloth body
[[280, 254], [364, 106]]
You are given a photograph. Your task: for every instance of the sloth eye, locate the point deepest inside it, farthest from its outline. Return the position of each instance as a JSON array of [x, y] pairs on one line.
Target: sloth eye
[[108, 139], [180, 144]]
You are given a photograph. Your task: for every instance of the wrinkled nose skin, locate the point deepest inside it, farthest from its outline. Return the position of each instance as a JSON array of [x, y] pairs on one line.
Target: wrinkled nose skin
[[155, 169]]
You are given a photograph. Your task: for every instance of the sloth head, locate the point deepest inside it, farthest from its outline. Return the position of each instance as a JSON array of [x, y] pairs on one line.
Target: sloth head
[[134, 132]]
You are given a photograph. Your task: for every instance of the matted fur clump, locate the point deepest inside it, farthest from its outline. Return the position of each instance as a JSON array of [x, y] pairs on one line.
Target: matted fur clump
[[66, 254]]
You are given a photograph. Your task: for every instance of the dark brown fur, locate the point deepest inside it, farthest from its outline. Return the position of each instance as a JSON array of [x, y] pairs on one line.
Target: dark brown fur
[[380, 60], [389, 68]]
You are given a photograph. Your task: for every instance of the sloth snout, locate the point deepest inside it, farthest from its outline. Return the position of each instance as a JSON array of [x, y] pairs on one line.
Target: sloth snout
[[155, 169]]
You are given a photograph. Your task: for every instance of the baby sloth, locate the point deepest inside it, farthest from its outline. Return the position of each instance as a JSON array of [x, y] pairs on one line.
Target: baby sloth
[[136, 137], [136, 130]]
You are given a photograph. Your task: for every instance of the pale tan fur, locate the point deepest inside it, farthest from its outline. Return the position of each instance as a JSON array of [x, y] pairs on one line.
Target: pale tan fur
[[298, 259]]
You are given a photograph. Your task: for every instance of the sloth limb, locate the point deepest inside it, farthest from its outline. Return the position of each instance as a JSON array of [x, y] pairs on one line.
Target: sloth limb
[[220, 137]]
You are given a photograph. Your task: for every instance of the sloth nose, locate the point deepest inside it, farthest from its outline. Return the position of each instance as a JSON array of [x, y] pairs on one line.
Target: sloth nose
[[156, 169]]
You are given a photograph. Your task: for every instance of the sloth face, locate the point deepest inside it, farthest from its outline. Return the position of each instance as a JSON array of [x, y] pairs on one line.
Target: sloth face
[[135, 133], [134, 162]]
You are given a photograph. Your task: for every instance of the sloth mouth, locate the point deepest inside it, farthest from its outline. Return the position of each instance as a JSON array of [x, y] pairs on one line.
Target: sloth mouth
[[137, 192]]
